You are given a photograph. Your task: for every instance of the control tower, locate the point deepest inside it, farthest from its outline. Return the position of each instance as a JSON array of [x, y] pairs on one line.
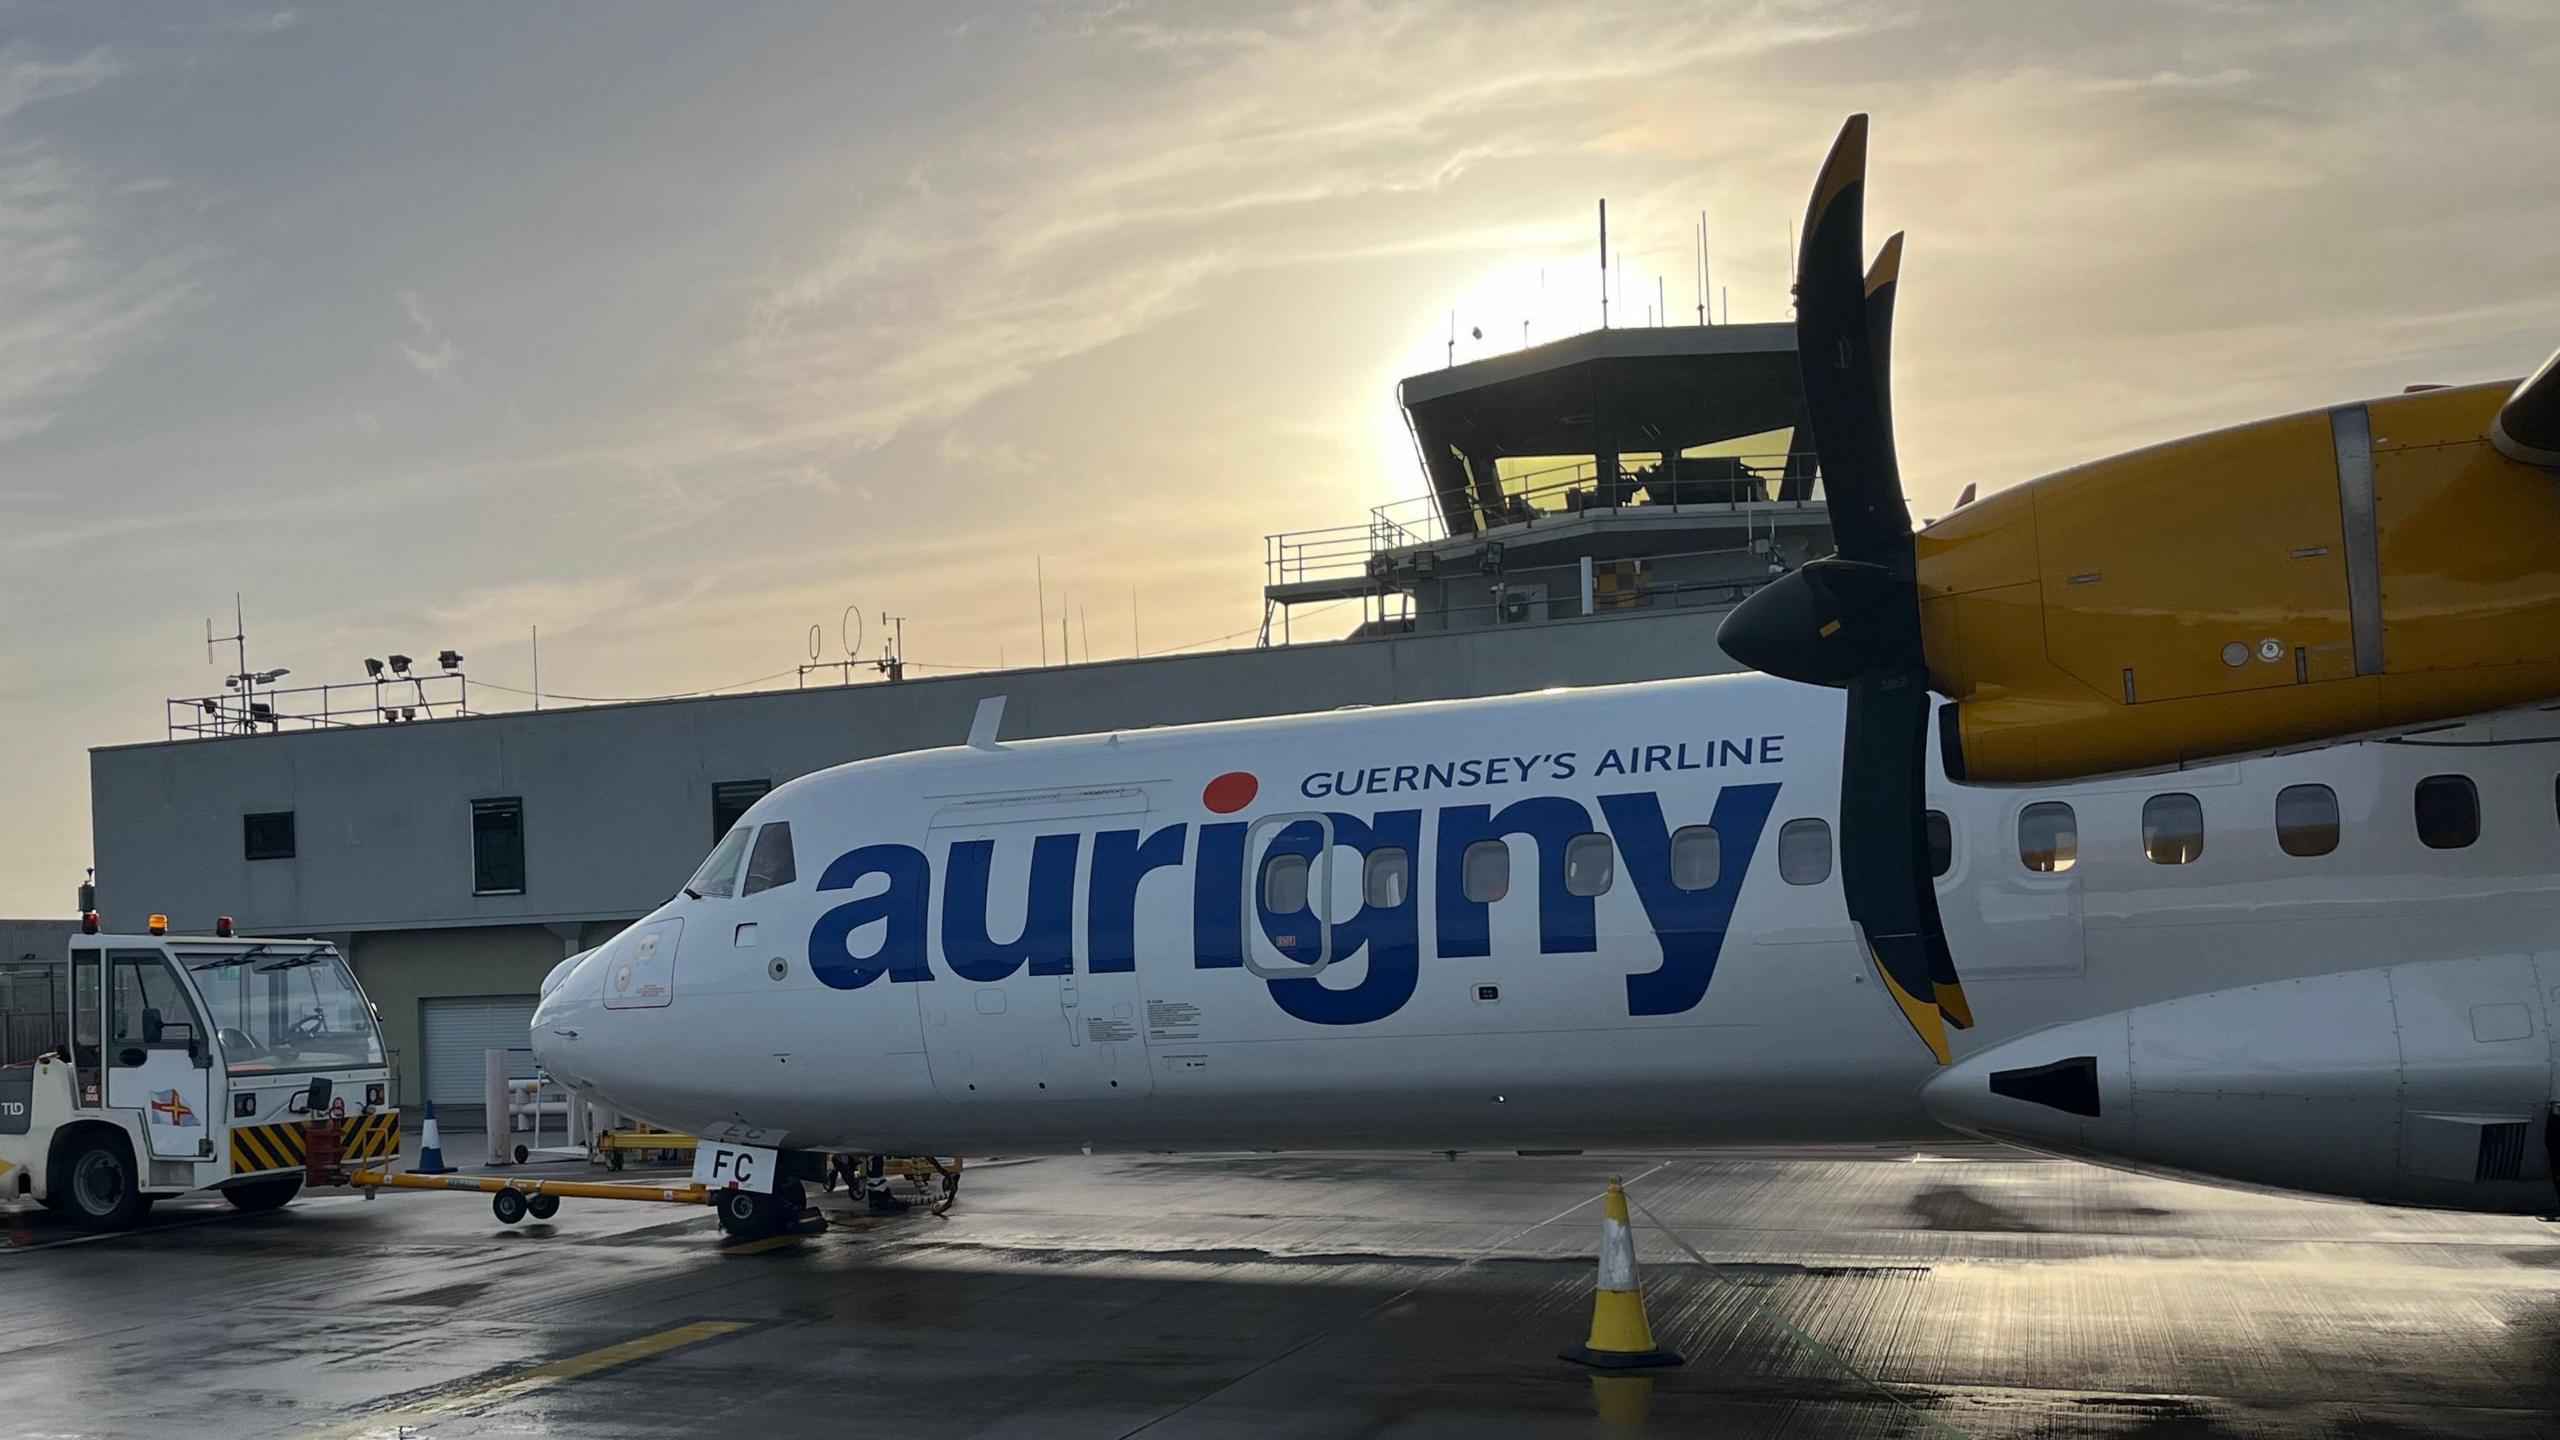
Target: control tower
[[1608, 473]]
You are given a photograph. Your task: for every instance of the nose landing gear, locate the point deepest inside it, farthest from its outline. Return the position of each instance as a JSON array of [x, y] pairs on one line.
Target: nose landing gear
[[745, 1215]]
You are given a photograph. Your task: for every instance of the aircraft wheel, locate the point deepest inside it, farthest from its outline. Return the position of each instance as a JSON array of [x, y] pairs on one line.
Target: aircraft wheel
[[745, 1215], [508, 1205], [264, 1195], [543, 1207], [98, 1186]]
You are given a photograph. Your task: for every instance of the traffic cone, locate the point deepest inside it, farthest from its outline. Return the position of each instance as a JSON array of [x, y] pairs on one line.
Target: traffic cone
[[1621, 1338], [431, 1148]]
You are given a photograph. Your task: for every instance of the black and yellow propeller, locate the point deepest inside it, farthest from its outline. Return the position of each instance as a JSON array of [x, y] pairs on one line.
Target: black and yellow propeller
[[1852, 620]]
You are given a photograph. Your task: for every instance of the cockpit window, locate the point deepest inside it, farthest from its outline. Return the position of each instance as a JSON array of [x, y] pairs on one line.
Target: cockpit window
[[771, 865], [718, 877]]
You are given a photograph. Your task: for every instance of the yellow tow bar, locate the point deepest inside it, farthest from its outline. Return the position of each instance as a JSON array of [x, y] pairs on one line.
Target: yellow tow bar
[[512, 1200]]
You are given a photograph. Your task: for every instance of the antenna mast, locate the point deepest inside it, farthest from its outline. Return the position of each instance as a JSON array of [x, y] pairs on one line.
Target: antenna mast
[[1704, 289], [1604, 262]]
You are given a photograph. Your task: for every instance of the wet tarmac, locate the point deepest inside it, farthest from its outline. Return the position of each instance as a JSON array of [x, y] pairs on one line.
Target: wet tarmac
[[1970, 1292]]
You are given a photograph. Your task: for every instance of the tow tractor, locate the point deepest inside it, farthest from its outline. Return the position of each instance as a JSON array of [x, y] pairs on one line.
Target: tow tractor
[[156, 1065]]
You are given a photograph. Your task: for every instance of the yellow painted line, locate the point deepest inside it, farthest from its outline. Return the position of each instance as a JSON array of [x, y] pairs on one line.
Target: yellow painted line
[[508, 1387], [758, 1247]]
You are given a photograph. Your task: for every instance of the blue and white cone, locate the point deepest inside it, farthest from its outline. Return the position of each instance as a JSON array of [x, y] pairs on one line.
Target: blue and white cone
[[431, 1148]]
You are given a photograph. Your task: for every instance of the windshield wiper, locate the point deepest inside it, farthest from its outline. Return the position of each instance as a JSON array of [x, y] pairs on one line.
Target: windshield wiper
[[692, 894]]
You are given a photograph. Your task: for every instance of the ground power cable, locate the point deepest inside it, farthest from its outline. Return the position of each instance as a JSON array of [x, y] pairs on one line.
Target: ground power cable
[[1786, 1327]]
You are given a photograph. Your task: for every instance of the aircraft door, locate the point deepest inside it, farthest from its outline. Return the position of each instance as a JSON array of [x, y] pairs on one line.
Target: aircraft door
[[1021, 1008], [157, 1055], [2027, 882]]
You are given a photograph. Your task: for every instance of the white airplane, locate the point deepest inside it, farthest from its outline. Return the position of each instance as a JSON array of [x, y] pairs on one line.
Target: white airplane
[[1599, 917]]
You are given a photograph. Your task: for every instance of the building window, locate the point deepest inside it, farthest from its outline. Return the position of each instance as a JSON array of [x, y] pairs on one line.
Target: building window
[[2048, 837], [1804, 852], [1284, 884], [497, 846], [773, 864], [1386, 878], [1485, 871], [268, 836], [2448, 812], [1696, 856], [2307, 819], [731, 799], [2173, 828], [1942, 842], [1590, 865]]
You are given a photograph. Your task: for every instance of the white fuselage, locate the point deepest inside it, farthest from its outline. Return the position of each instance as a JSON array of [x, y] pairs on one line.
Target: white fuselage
[[1043, 945]]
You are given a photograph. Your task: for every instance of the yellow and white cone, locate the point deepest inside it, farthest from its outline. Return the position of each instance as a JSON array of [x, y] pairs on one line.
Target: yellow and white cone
[[1621, 1338]]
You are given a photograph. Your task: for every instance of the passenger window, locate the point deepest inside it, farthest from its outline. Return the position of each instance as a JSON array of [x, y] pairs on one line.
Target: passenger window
[[1590, 864], [1942, 842], [1804, 852], [2173, 828], [1486, 871], [1386, 877], [1696, 857], [1284, 884], [772, 865], [2448, 812], [2307, 819], [2048, 837], [718, 877]]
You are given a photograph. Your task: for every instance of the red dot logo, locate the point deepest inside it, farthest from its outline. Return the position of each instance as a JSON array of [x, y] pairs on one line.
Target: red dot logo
[[1230, 792]]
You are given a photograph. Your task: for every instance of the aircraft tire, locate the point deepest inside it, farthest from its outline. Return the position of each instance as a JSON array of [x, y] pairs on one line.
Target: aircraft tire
[[745, 1215]]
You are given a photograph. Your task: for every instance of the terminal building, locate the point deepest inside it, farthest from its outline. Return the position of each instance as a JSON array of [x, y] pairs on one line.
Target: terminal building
[[1592, 508]]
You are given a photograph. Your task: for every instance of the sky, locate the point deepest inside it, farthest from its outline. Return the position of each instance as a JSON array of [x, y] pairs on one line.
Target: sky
[[675, 331]]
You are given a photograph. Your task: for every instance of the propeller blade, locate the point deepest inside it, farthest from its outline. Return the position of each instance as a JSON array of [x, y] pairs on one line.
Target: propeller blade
[[1854, 619], [1918, 904], [1843, 391], [1884, 845]]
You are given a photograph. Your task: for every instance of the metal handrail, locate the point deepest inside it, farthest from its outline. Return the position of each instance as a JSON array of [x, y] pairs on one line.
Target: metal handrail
[[392, 699], [1560, 492]]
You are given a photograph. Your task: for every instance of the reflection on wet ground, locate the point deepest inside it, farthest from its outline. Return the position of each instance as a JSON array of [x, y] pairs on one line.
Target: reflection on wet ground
[[1984, 1293]]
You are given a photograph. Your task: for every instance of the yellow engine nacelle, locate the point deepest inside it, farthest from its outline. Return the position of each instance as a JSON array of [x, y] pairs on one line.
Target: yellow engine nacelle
[[2350, 570]]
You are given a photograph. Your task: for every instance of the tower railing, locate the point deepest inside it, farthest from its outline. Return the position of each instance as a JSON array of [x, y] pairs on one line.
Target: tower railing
[[1724, 485]]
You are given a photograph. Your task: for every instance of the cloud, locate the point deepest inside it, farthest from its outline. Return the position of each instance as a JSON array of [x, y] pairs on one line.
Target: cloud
[[430, 352], [80, 287]]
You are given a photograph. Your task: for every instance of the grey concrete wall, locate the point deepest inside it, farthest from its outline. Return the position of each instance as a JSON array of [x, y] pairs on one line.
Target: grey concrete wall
[[617, 799], [403, 969]]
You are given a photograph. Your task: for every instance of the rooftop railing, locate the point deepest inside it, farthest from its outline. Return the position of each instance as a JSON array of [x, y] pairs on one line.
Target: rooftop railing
[[1727, 485], [262, 710]]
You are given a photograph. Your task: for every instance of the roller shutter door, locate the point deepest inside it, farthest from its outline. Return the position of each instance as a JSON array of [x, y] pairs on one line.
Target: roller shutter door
[[461, 1030]]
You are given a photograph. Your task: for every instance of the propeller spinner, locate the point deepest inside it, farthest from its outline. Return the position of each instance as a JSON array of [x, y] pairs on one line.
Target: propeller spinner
[[1852, 620]]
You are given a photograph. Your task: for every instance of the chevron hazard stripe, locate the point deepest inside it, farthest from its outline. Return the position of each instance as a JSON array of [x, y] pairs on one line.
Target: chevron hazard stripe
[[259, 1148]]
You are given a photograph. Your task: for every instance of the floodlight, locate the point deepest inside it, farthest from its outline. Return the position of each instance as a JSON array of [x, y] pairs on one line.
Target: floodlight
[[399, 664]]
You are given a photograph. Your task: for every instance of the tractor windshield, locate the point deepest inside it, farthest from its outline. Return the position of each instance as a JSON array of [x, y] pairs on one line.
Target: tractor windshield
[[276, 1009]]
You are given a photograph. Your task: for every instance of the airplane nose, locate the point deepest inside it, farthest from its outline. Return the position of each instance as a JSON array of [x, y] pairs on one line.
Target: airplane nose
[[572, 996], [2063, 1089]]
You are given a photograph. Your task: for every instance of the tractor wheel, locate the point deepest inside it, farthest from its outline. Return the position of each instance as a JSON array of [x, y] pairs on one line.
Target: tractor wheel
[[260, 1196], [98, 1185]]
